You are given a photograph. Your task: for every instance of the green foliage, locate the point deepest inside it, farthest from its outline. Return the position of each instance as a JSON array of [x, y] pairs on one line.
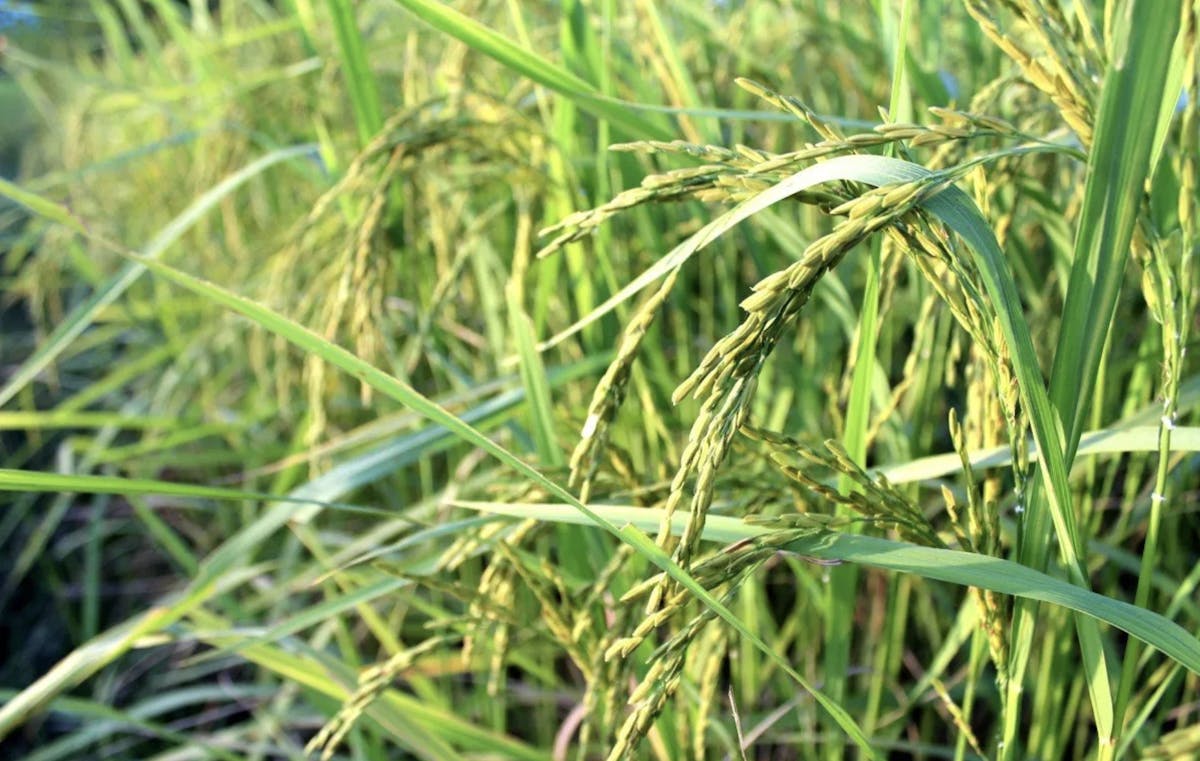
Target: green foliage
[[775, 402]]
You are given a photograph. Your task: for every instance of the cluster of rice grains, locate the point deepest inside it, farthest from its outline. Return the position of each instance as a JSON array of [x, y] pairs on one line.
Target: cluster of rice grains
[[658, 636], [385, 193], [725, 380], [635, 653]]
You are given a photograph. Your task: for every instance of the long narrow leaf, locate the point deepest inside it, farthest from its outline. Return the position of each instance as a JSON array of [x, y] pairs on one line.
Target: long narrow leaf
[[530, 64], [953, 566]]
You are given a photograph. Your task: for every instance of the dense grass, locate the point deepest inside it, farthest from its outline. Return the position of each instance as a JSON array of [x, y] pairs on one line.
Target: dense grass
[[537, 380]]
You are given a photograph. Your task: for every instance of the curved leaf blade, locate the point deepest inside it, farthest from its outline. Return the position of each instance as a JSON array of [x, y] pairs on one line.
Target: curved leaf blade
[[952, 566]]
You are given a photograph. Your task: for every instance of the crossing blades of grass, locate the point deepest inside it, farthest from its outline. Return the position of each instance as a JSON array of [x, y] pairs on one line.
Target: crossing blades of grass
[[950, 205], [102, 650], [530, 64], [953, 566], [954, 208], [428, 730], [101, 721], [1117, 168], [78, 321], [402, 392], [1109, 441]]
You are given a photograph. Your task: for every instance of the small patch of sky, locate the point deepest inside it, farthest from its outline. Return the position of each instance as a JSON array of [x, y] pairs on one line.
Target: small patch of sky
[[14, 14], [950, 82]]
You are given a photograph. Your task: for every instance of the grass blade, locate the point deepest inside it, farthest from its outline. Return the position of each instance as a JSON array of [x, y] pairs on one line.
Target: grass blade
[[953, 566], [1118, 166], [530, 64], [364, 92], [83, 315]]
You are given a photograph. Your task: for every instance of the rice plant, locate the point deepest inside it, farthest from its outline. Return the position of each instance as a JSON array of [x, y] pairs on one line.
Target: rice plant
[[595, 380]]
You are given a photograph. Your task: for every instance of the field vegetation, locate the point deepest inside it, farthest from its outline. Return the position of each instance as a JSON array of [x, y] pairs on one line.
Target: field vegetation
[[599, 380]]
